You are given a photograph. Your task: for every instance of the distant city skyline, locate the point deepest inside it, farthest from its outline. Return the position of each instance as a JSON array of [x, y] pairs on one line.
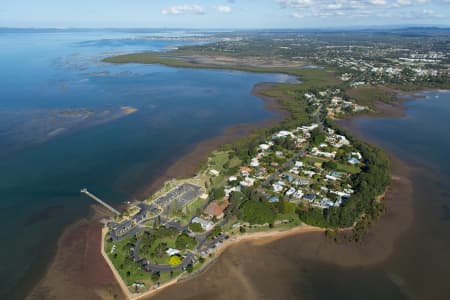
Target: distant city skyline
[[223, 13]]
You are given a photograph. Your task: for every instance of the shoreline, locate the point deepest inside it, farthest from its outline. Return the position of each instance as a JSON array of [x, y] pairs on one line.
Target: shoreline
[[187, 164], [235, 261], [378, 245], [247, 237]]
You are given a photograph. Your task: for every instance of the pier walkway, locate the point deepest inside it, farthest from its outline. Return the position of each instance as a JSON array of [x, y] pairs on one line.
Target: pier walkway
[[86, 192]]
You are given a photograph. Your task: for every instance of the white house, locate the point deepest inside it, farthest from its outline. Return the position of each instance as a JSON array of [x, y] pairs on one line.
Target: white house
[[278, 187], [279, 153], [206, 225], [264, 147], [232, 178], [309, 173], [254, 162], [340, 194], [317, 152], [331, 177], [298, 164], [229, 190], [298, 194], [308, 128], [172, 252], [247, 181], [353, 161], [282, 134], [294, 170], [214, 172], [357, 154], [290, 192], [309, 96]]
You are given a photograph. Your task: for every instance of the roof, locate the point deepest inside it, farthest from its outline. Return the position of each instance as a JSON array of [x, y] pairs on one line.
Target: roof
[[205, 224], [217, 207], [245, 169], [172, 252], [274, 199]]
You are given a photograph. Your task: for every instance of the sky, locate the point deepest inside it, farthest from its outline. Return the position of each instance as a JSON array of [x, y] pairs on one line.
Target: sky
[[222, 13]]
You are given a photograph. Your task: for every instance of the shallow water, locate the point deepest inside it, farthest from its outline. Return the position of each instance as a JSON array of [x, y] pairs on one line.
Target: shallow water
[[417, 268], [48, 71]]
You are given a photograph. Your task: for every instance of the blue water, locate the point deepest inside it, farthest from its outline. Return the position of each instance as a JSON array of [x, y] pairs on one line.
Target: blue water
[[420, 264], [53, 70], [422, 136]]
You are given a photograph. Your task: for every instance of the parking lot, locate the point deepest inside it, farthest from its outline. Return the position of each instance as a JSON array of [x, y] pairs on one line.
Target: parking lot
[[182, 195]]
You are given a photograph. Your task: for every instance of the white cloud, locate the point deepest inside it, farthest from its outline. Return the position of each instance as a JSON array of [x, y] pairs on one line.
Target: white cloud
[[295, 3], [378, 2], [297, 15], [334, 6], [403, 2], [356, 8], [224, 8], [183, 9]]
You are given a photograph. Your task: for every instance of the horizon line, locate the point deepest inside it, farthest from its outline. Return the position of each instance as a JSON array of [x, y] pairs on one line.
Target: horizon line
[[400, 26]]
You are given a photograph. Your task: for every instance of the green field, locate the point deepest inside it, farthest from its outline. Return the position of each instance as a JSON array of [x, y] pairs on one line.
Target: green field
[[130, 271]]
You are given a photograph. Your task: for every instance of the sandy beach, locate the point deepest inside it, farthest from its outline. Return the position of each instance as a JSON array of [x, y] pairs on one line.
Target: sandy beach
[[258, 238]]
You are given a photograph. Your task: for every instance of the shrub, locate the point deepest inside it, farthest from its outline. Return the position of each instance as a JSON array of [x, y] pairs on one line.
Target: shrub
[[175, 260], [196, 227]]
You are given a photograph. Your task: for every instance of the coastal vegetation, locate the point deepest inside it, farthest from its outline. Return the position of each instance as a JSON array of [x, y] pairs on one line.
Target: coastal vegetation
[[255, 205], [305, 169]]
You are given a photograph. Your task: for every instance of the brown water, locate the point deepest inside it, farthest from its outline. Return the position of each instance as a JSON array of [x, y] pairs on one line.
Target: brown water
[[406, 256]]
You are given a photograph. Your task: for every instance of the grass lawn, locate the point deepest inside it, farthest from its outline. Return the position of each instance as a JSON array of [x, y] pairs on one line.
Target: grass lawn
[[218, 159], [170, 241], [348, 168], [166, 276], [312, 159], [191, 209], [130, 271], [194, 205]]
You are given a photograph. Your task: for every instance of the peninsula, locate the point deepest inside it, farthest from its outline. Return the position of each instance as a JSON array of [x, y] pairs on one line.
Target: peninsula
[[305, 173]]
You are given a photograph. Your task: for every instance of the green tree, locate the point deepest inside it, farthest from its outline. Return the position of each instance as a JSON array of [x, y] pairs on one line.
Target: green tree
[[195, 227], [189, 268], [156, 276], [159, 250], [317, 136], [256, 212], [184, 241]]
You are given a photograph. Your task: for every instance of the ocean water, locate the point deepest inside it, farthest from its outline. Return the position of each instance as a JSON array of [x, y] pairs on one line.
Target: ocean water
[[419, 267], [48, 71]]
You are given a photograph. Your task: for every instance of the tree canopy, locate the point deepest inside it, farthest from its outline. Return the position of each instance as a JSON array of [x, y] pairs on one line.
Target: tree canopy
[[256, 212]]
